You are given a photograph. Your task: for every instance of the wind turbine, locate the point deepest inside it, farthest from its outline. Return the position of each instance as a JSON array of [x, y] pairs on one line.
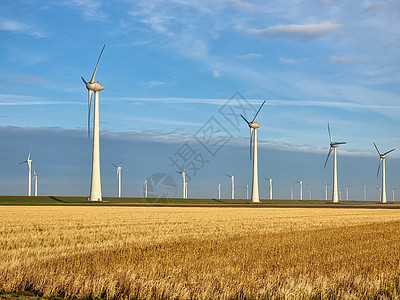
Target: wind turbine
[[255, 197], [382, 158], [365, 192], [326, 191], [340, 194], [233, 184], [291, 193], [270, 187], [347, 192], [310, 193], [28, 161], [119, 173], [35, 177], [95, 87], [184, 183], [333, 146], [247, 190], [393, 189], [301, 189], [145, 188], [380, 193], [219, 190]]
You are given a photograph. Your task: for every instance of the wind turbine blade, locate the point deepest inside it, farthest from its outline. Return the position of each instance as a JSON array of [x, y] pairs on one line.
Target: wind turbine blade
[[95, 70], [258, 111], [114, 165], [380, 162], [340, 143], [376, 147], [120, 163], [89, 103], [234, 172], [245, 119], [24, 162], [251, 139], [329, 153], [329, 130], [83, 79], [388, 152], [29, 155]]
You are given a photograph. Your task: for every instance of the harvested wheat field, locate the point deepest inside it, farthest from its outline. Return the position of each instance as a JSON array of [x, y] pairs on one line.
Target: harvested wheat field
[[200, 253]]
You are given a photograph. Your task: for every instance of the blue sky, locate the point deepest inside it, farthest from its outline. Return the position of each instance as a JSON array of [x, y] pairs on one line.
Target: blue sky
[[170, 69]]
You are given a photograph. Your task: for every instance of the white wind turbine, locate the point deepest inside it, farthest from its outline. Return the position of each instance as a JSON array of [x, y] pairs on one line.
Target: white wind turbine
[[145, 188], [255, 197], [382, 158], [95, 87], [364, 188], [247, 190], [310, 193], [219, 190], [326, 191], [28, 161], [232, 184], [270, 187], [35, 178], [184, 185], [301, 189], [347, 192], [119, 174], [333, 146], [393, 189]]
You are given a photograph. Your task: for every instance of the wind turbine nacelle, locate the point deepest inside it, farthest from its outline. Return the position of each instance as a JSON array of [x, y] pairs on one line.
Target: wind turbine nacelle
[[334, 145], [254, 125], [95, 86]]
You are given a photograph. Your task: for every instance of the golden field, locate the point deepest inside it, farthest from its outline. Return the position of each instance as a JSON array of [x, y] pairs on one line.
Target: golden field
[[200, 253]]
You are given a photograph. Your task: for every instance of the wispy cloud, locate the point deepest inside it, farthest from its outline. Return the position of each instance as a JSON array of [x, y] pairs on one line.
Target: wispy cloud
[[249, 56], [24, 79], [300, 31], [91, 9], [242, 4], [341, 60], [22, 100], [216, 74], [19, 27], [287, 60]]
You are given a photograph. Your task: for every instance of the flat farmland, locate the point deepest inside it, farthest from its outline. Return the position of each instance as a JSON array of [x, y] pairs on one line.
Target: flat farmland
[[200, 252]]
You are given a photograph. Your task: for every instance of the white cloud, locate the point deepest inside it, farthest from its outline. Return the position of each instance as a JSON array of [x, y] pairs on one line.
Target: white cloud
[[303, 31], [216, 74], [241, 4], [248, 56], [19, 27], [287, 60], [341, 60], [377, 6], [91, 9]]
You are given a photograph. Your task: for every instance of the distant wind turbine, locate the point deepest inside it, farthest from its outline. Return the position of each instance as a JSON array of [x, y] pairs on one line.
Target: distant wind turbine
[[184, 186], [219, 190], [247, 190], [35, 178], [333, 146], [28, 162], [380, 194], [393, 189], [255, 197], [95, 87], [291, 193], [364, 188], [347, 192], [145, 188], [232, 184], [119, 174], [382, 159], [270, 187], [310, 193], [301, 189], [326, 191]]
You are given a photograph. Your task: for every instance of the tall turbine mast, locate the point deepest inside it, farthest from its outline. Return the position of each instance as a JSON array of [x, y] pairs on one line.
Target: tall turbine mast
[[301, 189], [35, 177], [28, 162], [270, 187], [119, 174], [95, 87], [333, 146], [232, 184], [382, 159], [253, 125], [184, 190], [219, 190]]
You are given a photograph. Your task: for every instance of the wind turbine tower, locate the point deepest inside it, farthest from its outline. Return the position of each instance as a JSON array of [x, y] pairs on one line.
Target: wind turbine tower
[[301, 189], [270, 187], [365, 192], [247, 191], [291, 193], [326, 191], [393, 189], [28, 162], [145, 188], [119, 173], [232, 184], [35, 177], [310, 193], [347, 192], [382, 159], [333, 146], [183, 184], [95, 87], [219, 190], [255, 197]]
